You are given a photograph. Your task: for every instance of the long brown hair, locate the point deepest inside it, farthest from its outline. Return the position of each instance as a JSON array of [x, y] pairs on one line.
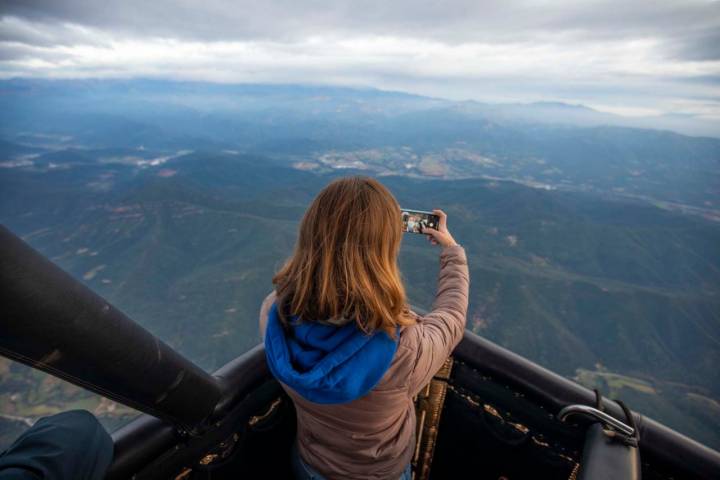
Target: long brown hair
[[345, 260]]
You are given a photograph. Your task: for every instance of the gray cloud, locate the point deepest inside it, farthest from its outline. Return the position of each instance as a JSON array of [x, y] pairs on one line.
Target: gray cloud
[[703, 46], [17, 31], [658, 57], [692, 23]]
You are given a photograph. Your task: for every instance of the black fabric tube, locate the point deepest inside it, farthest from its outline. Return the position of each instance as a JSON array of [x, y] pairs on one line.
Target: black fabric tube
[[52, 322]]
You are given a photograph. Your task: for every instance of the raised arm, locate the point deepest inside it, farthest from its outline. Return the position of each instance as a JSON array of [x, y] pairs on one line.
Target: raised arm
[[438, 333]]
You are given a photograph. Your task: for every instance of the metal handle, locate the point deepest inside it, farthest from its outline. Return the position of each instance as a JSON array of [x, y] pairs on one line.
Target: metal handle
[[594, 412]]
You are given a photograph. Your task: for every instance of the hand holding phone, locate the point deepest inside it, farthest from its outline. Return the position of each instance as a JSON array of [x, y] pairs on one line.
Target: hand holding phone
[[433, 224], [414, 220]]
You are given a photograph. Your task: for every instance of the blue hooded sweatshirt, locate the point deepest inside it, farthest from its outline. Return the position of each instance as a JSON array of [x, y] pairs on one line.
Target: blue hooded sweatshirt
[[327, 363]]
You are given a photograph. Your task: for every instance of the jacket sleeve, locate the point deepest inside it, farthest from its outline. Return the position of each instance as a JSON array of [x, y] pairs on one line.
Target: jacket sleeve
[[439, 332], [264, 310]]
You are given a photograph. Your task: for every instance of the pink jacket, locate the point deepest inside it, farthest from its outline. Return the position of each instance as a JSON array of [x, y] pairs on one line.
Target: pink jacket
[[373, 437]]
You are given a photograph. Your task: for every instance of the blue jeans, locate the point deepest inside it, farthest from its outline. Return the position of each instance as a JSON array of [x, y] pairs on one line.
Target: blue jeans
[[303, 471]]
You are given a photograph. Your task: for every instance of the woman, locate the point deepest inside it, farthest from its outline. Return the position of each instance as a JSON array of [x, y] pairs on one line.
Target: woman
[[343, 344]]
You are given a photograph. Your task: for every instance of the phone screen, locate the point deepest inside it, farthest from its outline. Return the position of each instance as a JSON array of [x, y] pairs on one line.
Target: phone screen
[[413, 219]]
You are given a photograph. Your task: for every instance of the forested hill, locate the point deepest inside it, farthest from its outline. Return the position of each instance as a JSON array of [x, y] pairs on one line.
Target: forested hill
[[594, 245], [615, 293]]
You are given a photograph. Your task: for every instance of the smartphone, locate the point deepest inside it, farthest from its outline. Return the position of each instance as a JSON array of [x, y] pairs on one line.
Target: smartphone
[[413, 219]]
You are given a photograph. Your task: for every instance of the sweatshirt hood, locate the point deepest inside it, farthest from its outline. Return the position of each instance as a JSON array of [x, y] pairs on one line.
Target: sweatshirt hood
[[327, 363]]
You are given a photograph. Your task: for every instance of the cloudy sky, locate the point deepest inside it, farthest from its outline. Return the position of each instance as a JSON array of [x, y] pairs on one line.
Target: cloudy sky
[[624, 56]]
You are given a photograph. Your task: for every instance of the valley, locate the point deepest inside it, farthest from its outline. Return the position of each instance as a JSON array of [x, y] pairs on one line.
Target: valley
[[594, 249]]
